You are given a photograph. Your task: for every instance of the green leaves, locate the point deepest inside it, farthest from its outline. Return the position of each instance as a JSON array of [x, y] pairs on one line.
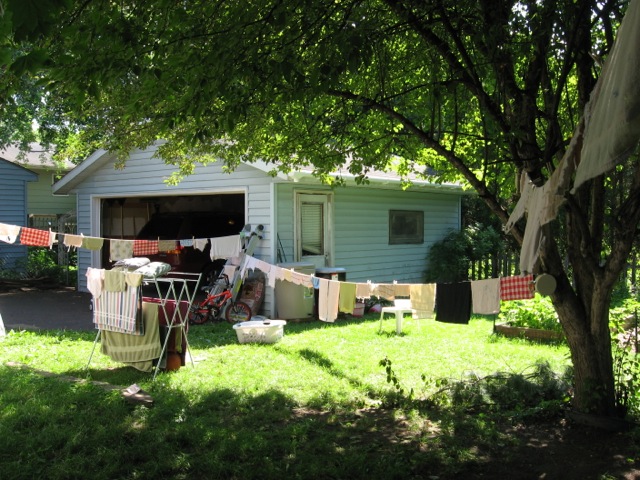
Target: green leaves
[[33, 19]]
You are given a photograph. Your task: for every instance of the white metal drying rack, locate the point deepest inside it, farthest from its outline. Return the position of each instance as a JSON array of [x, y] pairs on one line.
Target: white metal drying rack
[[178, 289], [178, 318]]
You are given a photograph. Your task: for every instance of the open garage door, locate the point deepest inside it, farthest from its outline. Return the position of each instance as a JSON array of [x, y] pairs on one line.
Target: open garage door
[[180, 217]]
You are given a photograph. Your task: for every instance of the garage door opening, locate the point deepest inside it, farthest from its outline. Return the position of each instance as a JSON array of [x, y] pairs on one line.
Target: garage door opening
[[177, 218]]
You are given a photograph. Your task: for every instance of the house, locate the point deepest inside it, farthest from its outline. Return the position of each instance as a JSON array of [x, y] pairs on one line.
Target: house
[[44, 209], [377, 232], [13, 207]]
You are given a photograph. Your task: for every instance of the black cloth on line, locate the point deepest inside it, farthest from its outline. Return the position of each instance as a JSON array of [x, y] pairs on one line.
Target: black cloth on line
[[453, 302]]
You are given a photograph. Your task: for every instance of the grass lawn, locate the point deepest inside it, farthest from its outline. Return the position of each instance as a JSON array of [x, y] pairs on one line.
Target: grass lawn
[[315, 405]]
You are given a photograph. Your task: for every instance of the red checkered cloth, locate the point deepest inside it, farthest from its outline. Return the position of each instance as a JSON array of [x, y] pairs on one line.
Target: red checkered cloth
[[145, 247], [516, 288], [35, 237]]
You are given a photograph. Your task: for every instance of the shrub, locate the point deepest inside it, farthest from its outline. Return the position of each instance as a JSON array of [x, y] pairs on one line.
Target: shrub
[[42, 263], [535, 313]]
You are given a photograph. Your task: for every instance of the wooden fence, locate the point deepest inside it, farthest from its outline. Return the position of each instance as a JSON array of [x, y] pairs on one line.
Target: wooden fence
[[494, 266]]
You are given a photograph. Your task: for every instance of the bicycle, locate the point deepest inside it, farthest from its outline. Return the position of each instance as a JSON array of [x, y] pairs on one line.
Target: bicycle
[[218, 305]]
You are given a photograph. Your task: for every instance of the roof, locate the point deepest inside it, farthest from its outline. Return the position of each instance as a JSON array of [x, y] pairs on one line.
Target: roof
[[36, 158], [101, 157], [26, 174]]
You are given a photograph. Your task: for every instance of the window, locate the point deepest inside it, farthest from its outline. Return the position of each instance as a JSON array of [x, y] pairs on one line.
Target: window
[[405, 227], [311, 229]]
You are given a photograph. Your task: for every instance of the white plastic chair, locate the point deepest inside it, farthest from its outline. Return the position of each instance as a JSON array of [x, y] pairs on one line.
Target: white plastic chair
[[401, 306]]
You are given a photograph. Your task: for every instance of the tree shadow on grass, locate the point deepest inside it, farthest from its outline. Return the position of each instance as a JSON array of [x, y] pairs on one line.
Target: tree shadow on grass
[[56, 429]]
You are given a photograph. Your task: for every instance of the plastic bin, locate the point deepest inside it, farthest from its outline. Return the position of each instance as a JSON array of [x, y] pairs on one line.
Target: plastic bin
[[295, 301], [260, 331]]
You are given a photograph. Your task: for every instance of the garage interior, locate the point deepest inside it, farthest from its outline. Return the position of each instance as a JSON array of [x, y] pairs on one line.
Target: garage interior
[[181, 216], [123, 218]]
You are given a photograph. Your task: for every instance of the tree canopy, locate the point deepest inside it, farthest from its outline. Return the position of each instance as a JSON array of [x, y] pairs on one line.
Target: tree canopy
[[472, 91]]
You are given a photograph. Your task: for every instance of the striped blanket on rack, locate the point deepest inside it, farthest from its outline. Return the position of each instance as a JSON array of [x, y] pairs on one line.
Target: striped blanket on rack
[[119, 311]]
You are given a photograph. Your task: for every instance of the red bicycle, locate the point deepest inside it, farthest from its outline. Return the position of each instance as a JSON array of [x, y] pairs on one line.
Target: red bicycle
[[219, 305]]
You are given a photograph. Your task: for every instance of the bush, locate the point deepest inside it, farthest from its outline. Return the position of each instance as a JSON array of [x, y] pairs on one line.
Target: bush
[[448, 260], [42, 263], [535, 313]]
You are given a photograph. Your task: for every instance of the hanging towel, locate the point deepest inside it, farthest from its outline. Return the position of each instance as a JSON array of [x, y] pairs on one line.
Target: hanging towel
[[186, 243], [72, 240], [93, 243], [384, 290], [453, 302], [612, 119], [558, 183], [323, 298], [138, 351], [35, 237], [423, 299], [200, 243], [347, 297], [531, 202], [263, 266], [287, 275], [225, 247], [120, 249], [516, 287], [114, 281], [9, 233], [363, 290], [95, 281], [145, 247], [251, 263], [272, 276], [166, 245], [485, 296], [333, 298], [298, 278], [402, 289], [133, 279]]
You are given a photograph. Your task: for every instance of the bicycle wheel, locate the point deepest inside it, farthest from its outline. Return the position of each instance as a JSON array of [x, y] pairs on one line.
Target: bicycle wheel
[[237, 312], [197, 316]]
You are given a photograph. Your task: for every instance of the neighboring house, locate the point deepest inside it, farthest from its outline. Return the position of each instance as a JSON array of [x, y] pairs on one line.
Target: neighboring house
[[376, 232], [44, 209], [14, 180]]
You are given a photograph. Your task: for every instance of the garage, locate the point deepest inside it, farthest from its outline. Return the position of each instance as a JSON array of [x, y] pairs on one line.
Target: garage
[[179, 217]]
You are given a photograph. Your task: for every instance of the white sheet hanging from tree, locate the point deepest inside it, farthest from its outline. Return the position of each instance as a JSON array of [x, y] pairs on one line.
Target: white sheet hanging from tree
[[613, 114]]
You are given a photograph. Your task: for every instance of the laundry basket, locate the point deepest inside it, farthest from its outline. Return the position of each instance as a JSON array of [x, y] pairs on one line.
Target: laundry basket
[[260, 331]]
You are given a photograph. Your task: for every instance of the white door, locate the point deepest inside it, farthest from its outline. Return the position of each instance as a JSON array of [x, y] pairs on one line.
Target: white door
[[313, 241]]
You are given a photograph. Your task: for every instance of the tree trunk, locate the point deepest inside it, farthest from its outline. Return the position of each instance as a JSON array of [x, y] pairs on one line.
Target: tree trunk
[[589, 342]]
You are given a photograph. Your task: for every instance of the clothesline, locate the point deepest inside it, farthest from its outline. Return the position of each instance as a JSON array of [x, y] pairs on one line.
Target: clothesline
[[221, 247], [480, 296]]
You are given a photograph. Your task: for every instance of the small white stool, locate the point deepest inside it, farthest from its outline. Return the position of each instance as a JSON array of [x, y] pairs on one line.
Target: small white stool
[[400, 308]]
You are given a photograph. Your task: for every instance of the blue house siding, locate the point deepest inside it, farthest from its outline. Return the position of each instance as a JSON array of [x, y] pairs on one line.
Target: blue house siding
[[361, 228], [143, 176], [13, 207]]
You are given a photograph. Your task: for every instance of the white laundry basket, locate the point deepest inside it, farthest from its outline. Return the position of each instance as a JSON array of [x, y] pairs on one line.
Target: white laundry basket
[[260, 331]]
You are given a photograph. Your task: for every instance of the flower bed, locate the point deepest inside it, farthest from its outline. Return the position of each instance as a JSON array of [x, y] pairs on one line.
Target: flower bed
[[528, 333]]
